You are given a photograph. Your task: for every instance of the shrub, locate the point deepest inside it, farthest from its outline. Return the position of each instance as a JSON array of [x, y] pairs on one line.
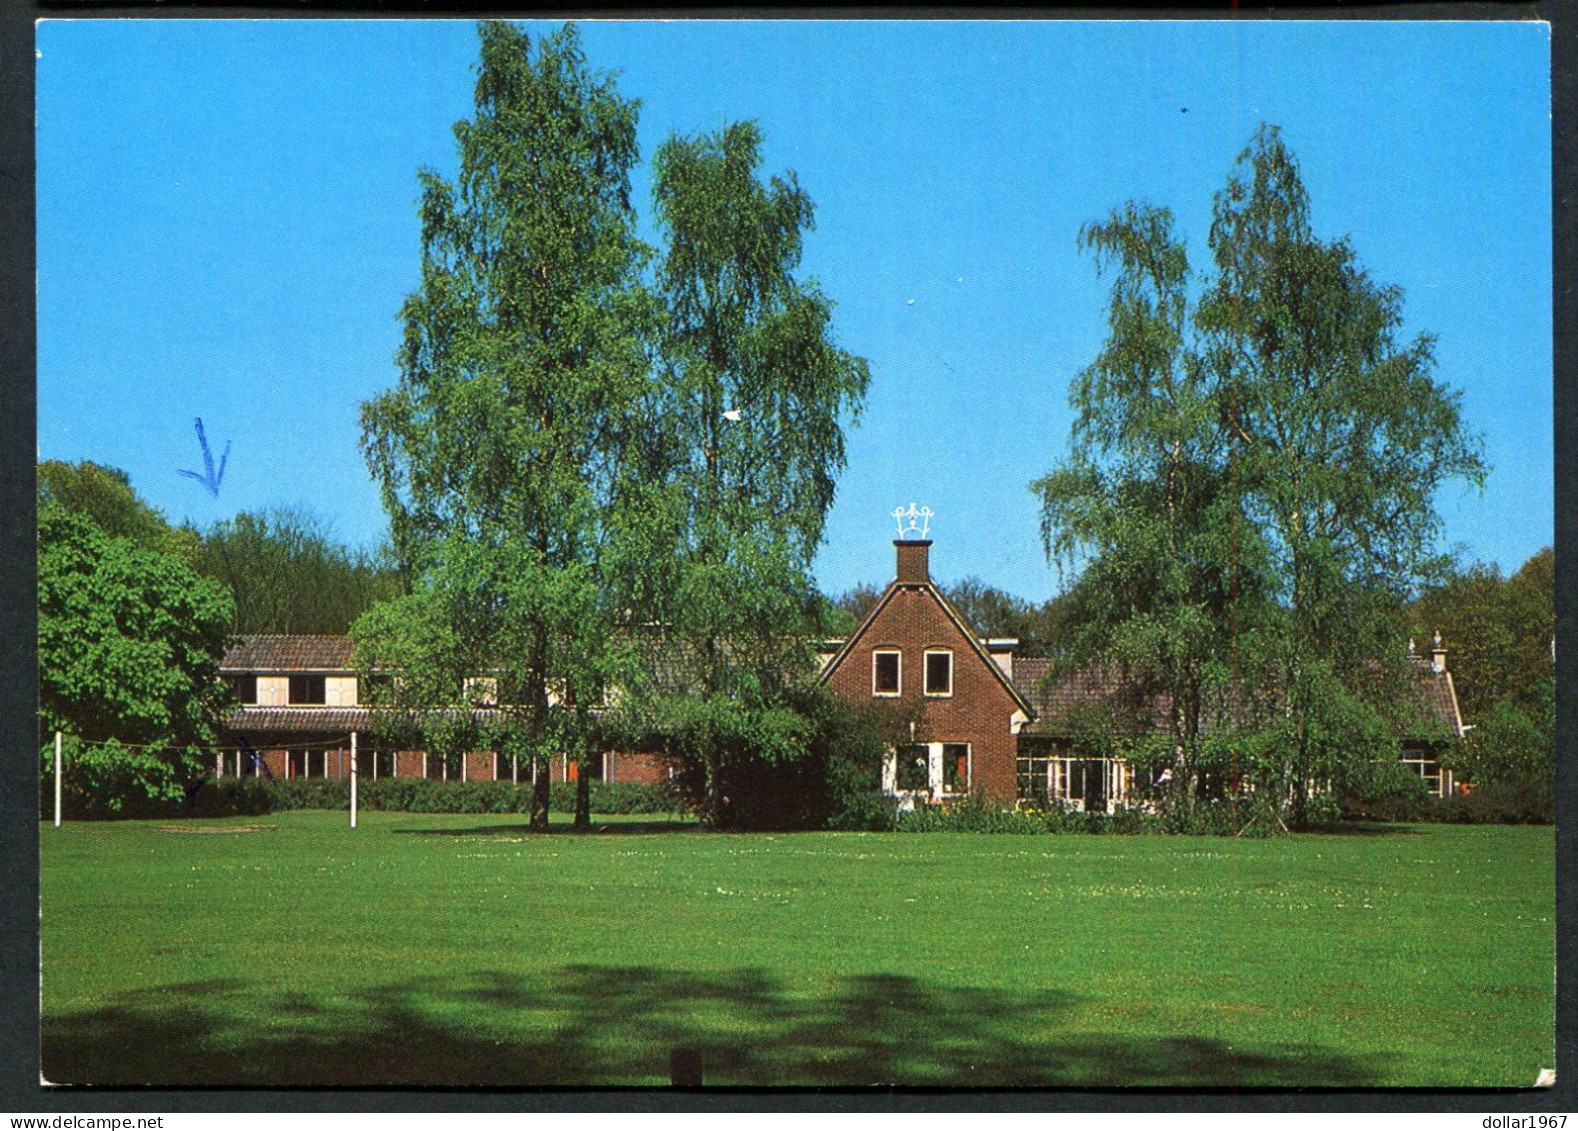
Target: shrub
[[979, 814], [1501, 803], [250, 796], [865, 811], [974, 814], [617, 797], [228, 797], [1385, 791], [104, 780]]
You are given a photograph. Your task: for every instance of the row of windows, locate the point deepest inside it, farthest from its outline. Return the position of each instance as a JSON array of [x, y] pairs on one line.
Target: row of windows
[[305, 690], [336, 763], [887, 673], [1087, 781], [312, 691]]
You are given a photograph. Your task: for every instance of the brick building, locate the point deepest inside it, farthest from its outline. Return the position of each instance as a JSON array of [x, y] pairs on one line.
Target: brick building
[[915, 651], [984, 721], [300, 702], [981, 721]]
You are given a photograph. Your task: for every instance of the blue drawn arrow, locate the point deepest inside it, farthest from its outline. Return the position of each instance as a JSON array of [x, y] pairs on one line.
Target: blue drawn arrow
[[208, 479]]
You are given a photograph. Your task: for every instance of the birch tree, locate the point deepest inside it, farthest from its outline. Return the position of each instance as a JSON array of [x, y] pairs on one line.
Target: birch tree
[[501, 451]]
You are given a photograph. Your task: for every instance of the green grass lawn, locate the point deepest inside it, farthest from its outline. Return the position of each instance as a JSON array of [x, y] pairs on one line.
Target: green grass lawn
[[460, 950]]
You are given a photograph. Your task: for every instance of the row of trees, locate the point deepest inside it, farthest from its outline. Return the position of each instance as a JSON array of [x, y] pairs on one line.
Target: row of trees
[[284, 569], [606, 464]]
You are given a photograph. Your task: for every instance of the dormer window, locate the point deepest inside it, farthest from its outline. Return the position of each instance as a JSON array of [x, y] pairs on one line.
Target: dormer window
[[886, 672], [246, 689], [308, 690], [939, 673]]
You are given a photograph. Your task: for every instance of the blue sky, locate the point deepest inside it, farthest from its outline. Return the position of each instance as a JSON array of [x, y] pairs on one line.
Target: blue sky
[[227, 228]]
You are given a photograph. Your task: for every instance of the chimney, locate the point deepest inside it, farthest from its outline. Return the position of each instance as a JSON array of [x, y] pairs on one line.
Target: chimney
[[1438, 657], [913, 567]]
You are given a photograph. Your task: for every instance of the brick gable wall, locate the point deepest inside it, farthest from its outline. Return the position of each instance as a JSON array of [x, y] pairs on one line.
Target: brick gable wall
[[980, 710]]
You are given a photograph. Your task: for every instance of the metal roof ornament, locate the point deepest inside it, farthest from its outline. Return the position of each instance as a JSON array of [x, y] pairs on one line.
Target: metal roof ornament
[[909, 529]]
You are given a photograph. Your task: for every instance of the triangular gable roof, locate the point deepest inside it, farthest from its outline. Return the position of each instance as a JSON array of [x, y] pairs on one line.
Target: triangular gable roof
[[958, 622]]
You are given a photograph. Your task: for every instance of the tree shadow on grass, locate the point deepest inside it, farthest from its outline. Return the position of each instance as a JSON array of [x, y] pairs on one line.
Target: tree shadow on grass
[[602, 1026], [1363, 828]]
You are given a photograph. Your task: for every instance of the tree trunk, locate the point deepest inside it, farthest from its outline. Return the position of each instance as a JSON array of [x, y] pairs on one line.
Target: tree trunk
[[583, 794], [712, 804], [540, 795]]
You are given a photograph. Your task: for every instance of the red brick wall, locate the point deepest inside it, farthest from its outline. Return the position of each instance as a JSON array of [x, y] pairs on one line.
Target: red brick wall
[[979, 711], [479, 766], [643, 769]]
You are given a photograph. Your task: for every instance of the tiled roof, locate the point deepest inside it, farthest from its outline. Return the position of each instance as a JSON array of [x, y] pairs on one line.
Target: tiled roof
[[300, 720], [288, 654], [1438, 698], [318, 720], [1054, 699]]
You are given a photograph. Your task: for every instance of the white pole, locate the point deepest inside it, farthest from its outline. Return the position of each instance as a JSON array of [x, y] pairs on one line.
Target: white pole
[[57, 779], [353, 779]]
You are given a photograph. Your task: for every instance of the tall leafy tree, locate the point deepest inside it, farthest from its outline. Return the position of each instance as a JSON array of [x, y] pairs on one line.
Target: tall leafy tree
[[1531, 608], [1341, 436], [755, 395], [1249, 498], [501, 451], [1144, 508], [129, 643]]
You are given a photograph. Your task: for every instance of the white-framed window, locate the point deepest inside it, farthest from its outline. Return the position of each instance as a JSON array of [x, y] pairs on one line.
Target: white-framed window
[[954, 772], [1438, 781], [887, 672], [932, 769], [939, 673]]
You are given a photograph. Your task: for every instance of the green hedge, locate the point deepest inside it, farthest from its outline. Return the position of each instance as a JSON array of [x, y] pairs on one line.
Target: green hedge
[[1500, 803], [251, 796], [981, 815]]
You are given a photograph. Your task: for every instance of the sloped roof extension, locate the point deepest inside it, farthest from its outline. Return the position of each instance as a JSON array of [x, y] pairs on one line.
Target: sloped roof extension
[[302, 720], [294, 653], [1054, 698]]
